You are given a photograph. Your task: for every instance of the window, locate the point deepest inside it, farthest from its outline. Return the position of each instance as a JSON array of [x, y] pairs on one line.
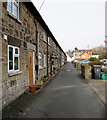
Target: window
[[45, 61], [13, 7], [49, 40], [41, 36], [40, 60], [45, 36], [83, 56], [13, 59]]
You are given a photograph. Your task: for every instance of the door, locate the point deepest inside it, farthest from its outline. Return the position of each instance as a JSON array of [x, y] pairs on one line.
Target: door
[[30, 67]]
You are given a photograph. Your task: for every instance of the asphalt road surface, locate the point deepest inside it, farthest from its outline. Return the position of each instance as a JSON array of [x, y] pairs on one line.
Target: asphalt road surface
[[66, 96]]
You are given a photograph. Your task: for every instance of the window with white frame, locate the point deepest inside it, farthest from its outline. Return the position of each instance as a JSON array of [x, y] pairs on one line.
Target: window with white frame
[[13, 59], [13, 7], [40, 60], [45, 61]]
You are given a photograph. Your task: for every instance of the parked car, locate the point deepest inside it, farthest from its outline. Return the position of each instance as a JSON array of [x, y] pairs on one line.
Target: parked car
[[85, 61], [104, 61], [101, 60]]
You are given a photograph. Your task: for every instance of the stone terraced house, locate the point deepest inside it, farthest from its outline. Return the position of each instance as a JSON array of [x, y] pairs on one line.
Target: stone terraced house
[[28, 49]]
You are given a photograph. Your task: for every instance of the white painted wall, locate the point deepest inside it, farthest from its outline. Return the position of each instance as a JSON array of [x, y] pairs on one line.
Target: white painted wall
[[97, 56], [69, 59]]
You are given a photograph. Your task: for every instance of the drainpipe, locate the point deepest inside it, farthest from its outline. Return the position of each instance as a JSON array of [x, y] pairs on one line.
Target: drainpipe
[[37, 51], [47, 55], [37, 55]]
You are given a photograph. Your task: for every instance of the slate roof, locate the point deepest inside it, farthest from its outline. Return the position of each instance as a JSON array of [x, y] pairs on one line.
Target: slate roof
[[39, 18], [95, 54]]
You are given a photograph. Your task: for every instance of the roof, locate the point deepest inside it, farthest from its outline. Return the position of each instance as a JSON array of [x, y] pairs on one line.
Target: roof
[[77, 58], [82, 51], [85, 50], [39, 18], [95, 54]]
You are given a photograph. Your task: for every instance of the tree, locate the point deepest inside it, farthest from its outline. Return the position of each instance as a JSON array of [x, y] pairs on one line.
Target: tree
[[76, 48], [69, 52], [93, 59], [100, 50]]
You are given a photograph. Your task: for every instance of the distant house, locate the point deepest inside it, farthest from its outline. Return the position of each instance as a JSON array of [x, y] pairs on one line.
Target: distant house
[[95, 55], [82, 55], [69, 59], [86, 55]]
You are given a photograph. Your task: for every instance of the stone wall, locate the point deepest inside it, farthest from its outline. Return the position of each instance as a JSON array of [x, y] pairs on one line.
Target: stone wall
[[86, 71], [42, 50], [22, 32], [49, 57], [78, 66]]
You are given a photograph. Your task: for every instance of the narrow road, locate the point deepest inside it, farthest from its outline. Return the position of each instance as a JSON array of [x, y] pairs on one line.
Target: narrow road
[[66, 96]]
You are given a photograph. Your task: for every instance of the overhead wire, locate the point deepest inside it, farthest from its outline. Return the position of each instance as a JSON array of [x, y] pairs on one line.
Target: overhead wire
[[41, 5]]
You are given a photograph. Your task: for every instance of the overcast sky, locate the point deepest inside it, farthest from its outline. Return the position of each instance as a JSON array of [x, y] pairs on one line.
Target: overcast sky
[[75, 23]]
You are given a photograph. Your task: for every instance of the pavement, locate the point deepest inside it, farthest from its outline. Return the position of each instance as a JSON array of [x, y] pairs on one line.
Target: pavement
[[100, 88], [66, 96]]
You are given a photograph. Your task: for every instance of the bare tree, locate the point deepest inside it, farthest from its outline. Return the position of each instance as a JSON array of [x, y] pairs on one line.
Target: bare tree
[[100, 50]]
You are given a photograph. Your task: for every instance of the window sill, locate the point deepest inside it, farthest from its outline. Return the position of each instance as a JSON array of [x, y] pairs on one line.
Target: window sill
[[10, 14], [14, 73]]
